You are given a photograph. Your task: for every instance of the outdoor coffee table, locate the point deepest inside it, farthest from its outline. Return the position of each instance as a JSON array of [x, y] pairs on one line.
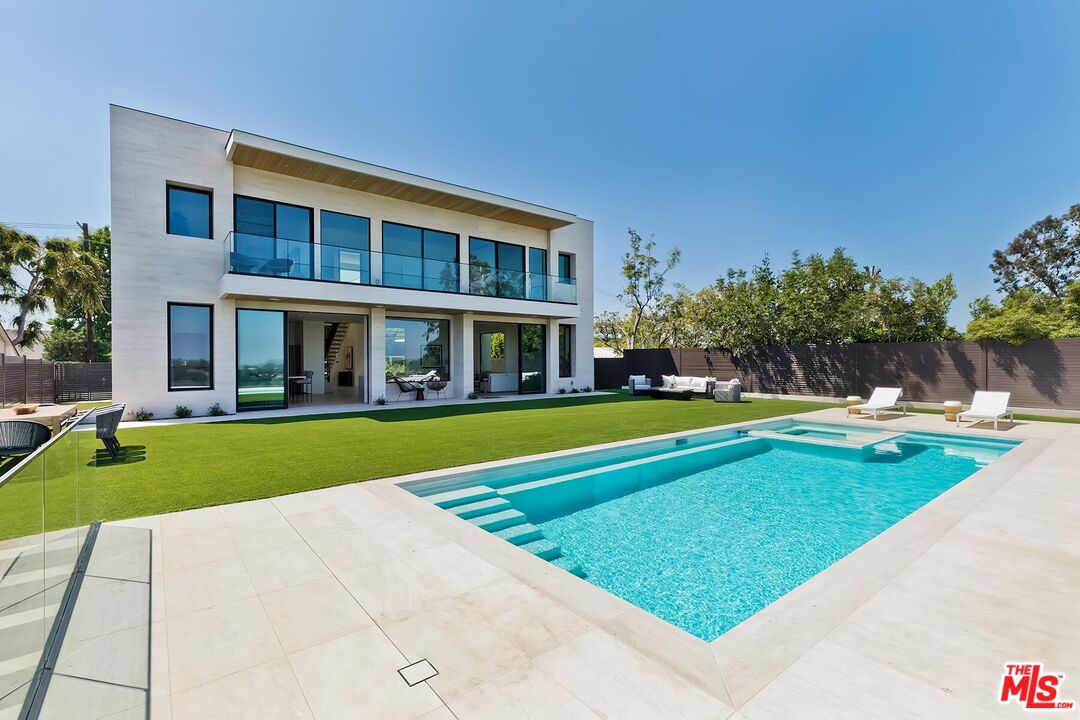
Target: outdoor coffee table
[[671, 394]]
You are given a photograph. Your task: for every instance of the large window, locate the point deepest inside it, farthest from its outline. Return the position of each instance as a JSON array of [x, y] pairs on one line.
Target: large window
[[537, 274], [496, 268], [344, 243], [419, 258], [272, 238], [189, 212], [416, 347], [191, 349], [260, 359]]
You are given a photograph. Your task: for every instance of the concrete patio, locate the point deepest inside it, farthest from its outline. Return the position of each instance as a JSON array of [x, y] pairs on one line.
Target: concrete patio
[[307, 605]]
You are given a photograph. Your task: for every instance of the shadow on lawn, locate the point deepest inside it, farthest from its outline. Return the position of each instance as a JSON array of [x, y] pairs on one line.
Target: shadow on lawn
[[128, 454], [443, 411]]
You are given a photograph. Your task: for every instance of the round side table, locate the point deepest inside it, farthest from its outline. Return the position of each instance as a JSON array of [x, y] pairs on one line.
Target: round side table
[[952, 409], [854, 400]]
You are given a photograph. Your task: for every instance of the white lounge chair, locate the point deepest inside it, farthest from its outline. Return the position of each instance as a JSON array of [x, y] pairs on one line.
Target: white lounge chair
[[987, 405], [882, 399]]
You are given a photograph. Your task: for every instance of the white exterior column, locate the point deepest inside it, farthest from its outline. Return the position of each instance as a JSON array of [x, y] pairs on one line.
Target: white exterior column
[[376, 366], [552, 351], [462, 360]]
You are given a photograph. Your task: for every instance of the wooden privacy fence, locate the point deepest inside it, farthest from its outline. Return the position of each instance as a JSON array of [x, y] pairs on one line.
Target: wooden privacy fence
[[43, 381], [1039, 373]]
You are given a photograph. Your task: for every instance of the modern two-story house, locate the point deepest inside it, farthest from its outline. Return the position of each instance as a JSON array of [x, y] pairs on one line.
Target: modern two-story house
[[258, 275]]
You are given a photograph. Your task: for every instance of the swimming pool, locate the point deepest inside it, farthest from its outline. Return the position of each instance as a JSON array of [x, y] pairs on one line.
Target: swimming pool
[[704, 530]]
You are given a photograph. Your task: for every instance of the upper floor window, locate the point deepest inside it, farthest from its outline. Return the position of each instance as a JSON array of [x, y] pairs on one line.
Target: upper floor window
[[538, 274], [566, 266], [344, 241], [274, 237], [191, 347], [419, 258], [496, 268], [189, 212]]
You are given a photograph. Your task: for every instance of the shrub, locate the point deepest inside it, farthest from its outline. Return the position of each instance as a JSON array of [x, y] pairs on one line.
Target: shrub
[[574, 391], [142, 414], [471, 396], [216, 410], [587, 388], [562, 391], [183, 411], [380, 400]]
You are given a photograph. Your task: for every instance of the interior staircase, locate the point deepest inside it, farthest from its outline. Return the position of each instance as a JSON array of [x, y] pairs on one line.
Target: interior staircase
[[334, 339], [485, 508]]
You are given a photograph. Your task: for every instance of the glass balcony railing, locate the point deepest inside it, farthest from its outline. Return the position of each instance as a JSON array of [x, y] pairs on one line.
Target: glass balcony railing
[[280, 257], [74, 594]]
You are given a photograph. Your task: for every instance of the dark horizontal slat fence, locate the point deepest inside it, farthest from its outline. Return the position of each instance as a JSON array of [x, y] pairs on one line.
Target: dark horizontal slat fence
[[25, 380], [1039, 374]]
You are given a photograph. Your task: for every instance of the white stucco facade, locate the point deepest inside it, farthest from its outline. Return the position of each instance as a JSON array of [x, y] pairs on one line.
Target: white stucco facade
[[152, 268]]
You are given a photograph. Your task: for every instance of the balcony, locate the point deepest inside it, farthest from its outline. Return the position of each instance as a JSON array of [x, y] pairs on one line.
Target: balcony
[[247, 254]]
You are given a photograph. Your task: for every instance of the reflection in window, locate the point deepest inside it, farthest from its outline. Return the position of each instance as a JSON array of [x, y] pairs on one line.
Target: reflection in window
[[496, 268], [272, 238], [419, 258], [189, 212], [344, 243], [190, 347], [566, 349], [260, 359], [537, 274], [416, 347]]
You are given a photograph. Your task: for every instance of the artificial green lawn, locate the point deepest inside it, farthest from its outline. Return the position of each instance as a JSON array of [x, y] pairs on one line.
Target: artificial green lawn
[[177, 467]]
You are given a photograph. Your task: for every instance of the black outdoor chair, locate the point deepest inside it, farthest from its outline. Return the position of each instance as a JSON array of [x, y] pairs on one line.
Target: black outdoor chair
[[404, 386], [108, 419], [19, 437], [437, 387]]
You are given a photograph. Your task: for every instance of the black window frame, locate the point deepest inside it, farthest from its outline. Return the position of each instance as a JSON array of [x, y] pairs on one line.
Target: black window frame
[[350, 215], [422, 256], [569, 330], [169, 186], [569, 266], [498, 245], [275, 236], [168, 345]]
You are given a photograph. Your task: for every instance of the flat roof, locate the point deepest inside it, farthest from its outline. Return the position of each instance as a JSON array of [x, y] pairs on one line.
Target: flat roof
[[263, 153]]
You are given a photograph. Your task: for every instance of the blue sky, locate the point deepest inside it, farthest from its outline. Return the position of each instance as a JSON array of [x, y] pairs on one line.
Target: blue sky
[[919, 135]]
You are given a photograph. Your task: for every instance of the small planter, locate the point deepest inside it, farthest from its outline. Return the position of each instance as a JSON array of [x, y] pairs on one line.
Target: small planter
[[854, 400], [952, 409], [24, 409]]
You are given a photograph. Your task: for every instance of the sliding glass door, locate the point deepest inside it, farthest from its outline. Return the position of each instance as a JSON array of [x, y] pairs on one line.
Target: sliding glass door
[[260, 360], [531, 359]]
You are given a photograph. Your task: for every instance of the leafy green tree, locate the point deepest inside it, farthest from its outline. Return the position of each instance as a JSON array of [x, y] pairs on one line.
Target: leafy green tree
[[645, 275], [1044, 258], [34, 274], [86, 311], [1026, 315]]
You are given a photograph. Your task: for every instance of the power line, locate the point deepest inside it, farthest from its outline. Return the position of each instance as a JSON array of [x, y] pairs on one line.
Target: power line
[[40, 226]]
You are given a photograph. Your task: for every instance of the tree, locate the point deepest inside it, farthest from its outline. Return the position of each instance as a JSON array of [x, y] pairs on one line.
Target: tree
[[86, 314], [1044, 258], [644, 281], [33, 274], [1026, 315]]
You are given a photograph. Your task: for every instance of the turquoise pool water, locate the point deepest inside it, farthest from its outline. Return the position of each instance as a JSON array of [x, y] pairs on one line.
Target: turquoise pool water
[[705, 533]]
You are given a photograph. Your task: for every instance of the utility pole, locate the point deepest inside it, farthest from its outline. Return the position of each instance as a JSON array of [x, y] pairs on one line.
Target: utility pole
[[89, 318]]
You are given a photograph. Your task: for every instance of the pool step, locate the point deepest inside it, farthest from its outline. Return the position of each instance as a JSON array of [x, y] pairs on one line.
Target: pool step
[[568, 565], [498, 520], [480, 507], [543, 549], [462, 496], [520, 534]]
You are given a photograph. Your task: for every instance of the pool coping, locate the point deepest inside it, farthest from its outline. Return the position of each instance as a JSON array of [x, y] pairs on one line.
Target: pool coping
[[738, 664]]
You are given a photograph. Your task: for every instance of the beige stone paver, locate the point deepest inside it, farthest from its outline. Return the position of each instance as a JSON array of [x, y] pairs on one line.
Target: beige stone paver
[[307, 605]]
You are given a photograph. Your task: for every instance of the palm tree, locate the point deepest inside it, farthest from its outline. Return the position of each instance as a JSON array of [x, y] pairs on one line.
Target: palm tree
[[76, 280]]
